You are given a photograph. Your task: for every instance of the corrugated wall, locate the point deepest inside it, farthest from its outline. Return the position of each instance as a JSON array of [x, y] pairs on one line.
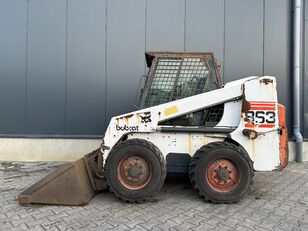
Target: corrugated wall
[[305, 80], [67, 66]]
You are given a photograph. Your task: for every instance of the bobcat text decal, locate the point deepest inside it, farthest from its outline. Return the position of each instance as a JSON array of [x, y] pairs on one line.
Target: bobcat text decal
[[127, 128]]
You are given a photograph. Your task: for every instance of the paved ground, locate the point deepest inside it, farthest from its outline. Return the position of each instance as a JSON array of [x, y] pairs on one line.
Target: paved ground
[[278, 201]]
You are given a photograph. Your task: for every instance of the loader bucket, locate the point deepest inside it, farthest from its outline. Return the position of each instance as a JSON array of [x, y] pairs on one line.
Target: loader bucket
[[70, 184]]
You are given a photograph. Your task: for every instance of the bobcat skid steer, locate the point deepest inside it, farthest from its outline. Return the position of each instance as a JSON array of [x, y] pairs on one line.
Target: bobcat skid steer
[[227, 133]]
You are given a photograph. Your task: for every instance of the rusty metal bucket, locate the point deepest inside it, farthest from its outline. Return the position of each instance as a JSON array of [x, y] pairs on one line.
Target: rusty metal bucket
[[70, 184]]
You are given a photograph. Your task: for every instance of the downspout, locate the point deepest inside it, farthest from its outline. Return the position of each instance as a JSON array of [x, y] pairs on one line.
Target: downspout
[[297, 31]]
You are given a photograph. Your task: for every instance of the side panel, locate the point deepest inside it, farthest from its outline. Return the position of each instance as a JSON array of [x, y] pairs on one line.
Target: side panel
[[134, 122], [185, 143], [232, 114], [260, 114]]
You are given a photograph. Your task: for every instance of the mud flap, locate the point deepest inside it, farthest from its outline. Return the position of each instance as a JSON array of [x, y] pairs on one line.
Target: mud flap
[[70, 184]]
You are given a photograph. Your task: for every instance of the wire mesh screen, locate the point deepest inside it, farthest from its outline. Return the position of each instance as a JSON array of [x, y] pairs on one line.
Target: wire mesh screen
[[215, 114], [192, 77], [175, 78], [164, 78]]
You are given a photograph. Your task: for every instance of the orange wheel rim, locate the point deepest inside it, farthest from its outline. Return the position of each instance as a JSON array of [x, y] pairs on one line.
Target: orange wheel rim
[[134, 172], [222, 175]]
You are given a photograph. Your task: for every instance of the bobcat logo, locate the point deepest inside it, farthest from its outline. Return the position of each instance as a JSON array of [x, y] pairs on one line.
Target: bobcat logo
[[127, 128], [146, 118]]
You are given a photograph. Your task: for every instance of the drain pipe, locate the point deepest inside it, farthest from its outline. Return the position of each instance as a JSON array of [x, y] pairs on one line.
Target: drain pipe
[[297, 30]]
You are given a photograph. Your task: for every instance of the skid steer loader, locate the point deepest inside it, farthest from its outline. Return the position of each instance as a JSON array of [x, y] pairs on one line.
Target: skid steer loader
[[227, 131]]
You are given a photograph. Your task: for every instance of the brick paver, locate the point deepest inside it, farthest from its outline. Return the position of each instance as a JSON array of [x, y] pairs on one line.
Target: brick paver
[[277, 201]]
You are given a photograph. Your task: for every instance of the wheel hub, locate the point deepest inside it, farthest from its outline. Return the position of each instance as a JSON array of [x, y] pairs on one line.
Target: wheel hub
[[222, 175], [134, 172]]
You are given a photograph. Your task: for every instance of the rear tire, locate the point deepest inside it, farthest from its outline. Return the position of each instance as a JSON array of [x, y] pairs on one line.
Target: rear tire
[[135, 170], [221, 172]]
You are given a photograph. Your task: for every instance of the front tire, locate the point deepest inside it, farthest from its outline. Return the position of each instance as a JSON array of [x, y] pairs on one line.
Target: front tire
[[221, 172], [135, 170]]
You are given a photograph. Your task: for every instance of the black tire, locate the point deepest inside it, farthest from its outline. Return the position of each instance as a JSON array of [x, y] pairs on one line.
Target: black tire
[[203, 163], [152, 159]]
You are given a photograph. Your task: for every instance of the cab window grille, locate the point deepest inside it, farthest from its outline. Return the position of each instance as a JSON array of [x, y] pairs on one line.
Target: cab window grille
[[176, 75], [192, 77], [164, 78], [175, 78]]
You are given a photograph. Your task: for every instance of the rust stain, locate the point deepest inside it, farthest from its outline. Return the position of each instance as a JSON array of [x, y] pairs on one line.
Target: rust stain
[[245, 105], [283, 144], [126, 116], [247, 120], [253, 151], [189, 144], [266, 81], [251, 133], [129, 116], [126, 121]]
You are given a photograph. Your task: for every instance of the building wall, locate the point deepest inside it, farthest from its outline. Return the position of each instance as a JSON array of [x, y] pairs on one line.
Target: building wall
[[305, 79], [67, 66]]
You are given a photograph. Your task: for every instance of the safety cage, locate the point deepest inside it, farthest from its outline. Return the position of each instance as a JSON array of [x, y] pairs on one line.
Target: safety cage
[[176, 75]]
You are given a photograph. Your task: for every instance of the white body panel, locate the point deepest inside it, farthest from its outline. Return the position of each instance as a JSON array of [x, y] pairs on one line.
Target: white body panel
[[232, 114], [182, 143], [263, 151]]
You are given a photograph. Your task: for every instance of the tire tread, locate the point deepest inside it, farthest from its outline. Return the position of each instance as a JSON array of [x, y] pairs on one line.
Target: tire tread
[[202, 151], [158, 154]]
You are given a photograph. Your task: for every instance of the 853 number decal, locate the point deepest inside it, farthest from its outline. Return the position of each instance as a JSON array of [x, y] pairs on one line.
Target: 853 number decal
[[261, 117], [262, 114]]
